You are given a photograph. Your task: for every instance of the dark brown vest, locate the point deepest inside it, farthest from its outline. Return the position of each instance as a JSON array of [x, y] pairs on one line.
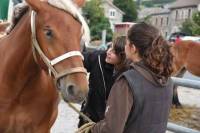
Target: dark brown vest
[[151, 104]]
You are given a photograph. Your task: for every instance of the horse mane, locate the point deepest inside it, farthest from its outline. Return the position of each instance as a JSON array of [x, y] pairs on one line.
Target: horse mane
[[18, 12]]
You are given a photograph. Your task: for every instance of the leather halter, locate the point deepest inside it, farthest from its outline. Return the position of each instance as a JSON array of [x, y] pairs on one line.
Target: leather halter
[[50, 63]]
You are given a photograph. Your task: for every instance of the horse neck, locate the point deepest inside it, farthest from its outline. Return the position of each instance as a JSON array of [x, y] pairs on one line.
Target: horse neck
[[18, 63]]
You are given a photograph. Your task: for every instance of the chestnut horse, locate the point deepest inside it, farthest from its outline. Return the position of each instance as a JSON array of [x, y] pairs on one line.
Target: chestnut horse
[[186, 55], [39, 55]]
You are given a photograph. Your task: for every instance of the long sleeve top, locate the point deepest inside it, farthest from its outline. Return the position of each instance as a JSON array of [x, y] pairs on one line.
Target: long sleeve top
[[119, 105]]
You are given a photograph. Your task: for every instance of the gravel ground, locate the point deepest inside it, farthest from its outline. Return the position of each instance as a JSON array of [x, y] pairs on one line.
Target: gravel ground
[[67, 119]]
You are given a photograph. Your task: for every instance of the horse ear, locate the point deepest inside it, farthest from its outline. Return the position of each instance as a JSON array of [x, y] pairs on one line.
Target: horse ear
[[35, 4], [79, 3]]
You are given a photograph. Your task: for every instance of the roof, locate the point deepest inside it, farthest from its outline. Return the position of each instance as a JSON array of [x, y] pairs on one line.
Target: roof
[[112, 5], [184, 3], [153, 11], [161, 11]]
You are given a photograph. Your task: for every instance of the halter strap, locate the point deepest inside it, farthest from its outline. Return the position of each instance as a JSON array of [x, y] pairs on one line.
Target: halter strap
[[65, 56], [70, 71], [51, 63]]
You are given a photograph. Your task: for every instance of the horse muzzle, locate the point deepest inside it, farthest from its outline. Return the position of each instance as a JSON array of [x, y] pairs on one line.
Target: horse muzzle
[[71, 92]]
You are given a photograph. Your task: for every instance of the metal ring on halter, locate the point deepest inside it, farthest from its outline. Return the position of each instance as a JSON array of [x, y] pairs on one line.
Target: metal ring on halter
[[50, 63]]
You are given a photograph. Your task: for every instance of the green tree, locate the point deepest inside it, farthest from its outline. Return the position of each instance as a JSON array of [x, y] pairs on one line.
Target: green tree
[[187, 27], [196, 25], [96, 20], [192, 27], [129, 8]]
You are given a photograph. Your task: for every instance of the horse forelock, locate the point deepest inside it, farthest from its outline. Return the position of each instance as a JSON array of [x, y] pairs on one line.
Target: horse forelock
[[70, 7]]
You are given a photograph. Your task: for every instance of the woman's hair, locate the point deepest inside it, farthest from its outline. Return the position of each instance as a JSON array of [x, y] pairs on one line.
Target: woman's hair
[[119, 49], [153, 48], [119, 46]]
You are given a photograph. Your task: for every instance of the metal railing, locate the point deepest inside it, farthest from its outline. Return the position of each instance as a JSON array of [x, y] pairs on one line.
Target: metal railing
[[180, 129], [186, 83]]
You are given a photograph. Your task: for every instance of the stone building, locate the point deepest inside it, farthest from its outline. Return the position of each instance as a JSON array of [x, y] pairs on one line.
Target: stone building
[[169, 19]]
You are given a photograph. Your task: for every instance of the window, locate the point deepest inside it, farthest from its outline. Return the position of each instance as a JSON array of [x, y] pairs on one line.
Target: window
[[176, 18], [182, 17], [112, 13], [167, 21], [166, 34], [189, 13], [156, 21], [161, 21]]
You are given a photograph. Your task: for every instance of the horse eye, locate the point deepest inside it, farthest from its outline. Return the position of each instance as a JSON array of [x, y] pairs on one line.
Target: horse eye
[[49, 34]]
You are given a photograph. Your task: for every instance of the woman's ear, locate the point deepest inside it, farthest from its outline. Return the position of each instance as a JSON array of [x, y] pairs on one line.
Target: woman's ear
[[133, 48]]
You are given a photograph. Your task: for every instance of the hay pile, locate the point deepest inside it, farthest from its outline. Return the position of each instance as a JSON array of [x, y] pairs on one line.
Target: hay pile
[[186, 116]]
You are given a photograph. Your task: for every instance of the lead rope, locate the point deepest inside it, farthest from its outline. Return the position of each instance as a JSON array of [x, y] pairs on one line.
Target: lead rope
[[86, 127], [79, 112]]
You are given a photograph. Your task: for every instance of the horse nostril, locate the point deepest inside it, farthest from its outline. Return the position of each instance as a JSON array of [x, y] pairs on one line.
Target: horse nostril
[[71, 89]]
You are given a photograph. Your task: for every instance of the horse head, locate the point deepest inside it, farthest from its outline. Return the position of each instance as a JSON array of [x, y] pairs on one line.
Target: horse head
[[57, 29]]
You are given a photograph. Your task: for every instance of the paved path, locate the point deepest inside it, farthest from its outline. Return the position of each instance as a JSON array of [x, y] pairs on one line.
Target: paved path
[[67, 119]]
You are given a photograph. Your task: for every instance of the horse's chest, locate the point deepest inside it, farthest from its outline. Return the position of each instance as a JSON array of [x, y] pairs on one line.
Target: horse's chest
[[17, 123], [27, 114]]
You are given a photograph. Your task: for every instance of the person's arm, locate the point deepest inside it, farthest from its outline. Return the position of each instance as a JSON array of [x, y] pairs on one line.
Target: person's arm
[[88, 60], [119, 105], [91, 58]]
